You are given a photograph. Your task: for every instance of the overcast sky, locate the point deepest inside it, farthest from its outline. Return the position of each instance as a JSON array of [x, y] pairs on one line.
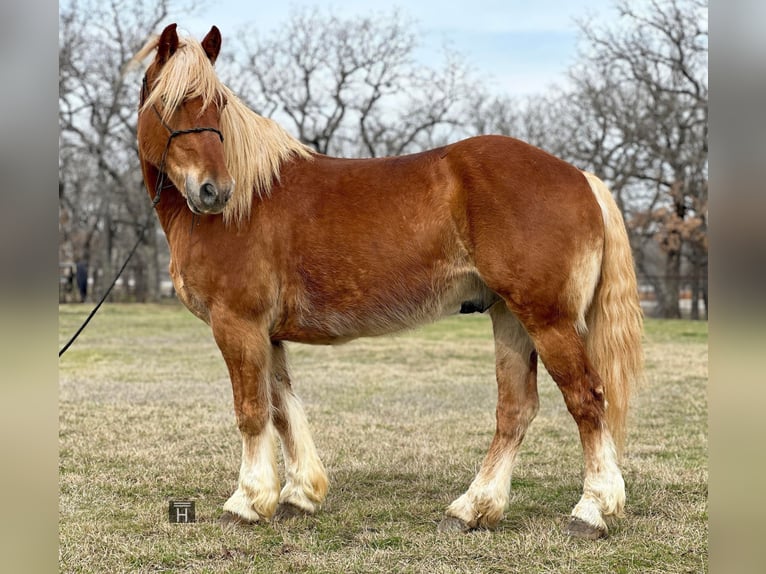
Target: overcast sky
[[523, 47]]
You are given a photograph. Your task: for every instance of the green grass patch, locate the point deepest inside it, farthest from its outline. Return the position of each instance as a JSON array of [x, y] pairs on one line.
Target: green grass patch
[[676, 331], [402, 424]]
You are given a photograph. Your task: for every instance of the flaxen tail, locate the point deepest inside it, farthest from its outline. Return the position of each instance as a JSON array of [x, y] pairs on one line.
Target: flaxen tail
[[614, 319]]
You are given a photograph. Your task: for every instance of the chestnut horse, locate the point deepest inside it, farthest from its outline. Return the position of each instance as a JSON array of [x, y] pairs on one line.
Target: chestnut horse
[[271, 242]]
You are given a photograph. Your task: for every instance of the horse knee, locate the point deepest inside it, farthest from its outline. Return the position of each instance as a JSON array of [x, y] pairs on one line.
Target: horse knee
[[514, 419], [252, 420]]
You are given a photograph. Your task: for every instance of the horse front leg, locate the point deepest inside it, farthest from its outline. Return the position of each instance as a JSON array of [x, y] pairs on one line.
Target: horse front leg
[[305, 476], [246, 348]]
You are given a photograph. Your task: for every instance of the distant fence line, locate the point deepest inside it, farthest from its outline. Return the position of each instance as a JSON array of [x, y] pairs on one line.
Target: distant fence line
[[686, 283]]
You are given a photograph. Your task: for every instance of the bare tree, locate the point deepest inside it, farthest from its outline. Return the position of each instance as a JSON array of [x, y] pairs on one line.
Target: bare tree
[[639, 114], [533, 119], [350, 86], [102, 203]]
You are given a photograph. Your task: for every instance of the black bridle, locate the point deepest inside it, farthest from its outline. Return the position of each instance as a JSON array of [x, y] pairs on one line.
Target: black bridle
[[173, 133], [157, 189]]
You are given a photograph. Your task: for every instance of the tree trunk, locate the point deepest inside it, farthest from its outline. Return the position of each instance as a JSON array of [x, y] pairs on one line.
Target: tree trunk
[[704, 295], [670, 308], [153, 264], [106, 268], [695, 312], [139, 276], [701, 276]]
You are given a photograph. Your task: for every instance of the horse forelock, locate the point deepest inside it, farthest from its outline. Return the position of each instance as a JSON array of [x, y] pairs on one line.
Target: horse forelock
[[187, 74], [254, 147]]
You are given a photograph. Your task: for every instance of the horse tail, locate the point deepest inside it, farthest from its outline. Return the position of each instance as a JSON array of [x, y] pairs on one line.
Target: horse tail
[[614, 319]]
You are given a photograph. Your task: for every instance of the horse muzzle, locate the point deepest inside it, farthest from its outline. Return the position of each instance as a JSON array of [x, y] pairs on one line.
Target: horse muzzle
[[208, 197]]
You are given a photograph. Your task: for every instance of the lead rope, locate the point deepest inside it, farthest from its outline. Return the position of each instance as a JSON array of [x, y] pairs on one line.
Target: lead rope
[[159, 186], [158, 189], [114, 282]]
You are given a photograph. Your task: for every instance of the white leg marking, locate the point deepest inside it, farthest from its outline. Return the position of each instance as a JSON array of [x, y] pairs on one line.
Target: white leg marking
[[306, 480], [604, 487], [258, 490], [485, 500]]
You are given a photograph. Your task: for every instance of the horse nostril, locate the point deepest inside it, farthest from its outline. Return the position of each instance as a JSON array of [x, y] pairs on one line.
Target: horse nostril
[[208, 194]]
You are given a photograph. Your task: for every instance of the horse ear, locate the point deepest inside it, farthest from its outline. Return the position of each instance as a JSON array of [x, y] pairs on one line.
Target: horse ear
[[212, 44], [168, 43]]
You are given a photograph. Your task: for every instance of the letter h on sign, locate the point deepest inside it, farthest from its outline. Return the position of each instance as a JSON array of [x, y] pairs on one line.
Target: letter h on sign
[[181, 511]]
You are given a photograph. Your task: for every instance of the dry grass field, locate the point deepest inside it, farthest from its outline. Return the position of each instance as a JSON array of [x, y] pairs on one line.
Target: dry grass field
[[402, 424]]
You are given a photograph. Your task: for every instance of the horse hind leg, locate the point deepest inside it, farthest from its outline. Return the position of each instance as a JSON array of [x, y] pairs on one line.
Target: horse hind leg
[[484, 502], [562, 351], [305, 476]]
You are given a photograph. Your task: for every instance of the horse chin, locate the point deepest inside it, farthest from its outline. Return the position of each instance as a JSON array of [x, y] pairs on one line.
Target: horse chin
[[196, 210], [193, 208]]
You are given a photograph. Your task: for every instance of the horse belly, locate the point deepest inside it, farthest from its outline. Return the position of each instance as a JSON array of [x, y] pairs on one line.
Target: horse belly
[[392, 305]]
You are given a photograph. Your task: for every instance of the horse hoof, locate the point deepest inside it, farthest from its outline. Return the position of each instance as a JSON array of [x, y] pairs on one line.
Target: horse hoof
[[578, 528], [453, 524], [286, 511], [231, 519]]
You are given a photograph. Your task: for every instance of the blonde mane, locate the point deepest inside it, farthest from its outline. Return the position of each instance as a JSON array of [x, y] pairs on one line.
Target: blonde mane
[[254, 147]]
